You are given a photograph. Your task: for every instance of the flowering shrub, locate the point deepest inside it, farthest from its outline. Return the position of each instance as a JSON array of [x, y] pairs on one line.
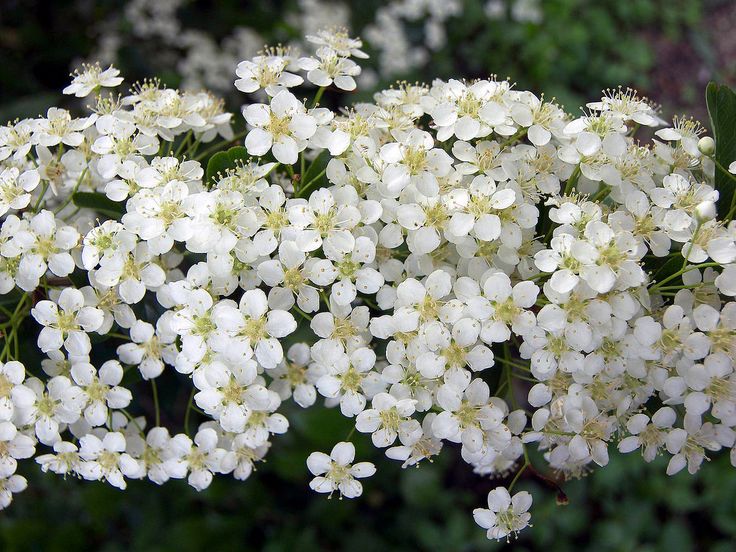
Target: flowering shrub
[[462, 263]]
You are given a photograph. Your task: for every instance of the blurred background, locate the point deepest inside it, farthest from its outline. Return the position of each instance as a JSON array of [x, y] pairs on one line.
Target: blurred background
[[568, 49]]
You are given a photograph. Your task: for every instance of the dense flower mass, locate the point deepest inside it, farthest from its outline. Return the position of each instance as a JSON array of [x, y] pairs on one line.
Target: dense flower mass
[[459, 263]]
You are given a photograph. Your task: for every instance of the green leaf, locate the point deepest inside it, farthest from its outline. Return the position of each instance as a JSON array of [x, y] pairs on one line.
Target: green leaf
[[721, 102], [224, 160], [99, 203]]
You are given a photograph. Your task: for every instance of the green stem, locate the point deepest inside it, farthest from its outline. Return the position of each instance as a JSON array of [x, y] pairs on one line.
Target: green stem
[[724, 171], [507, 369], [44, 188], [350, 434], [519, 134], [71, 194], [572, 181], [192, 149], [11, 338], [512, 364], [601, 194], [302, 313], [189, 410], [184, 141], [131, 419], [318, 96], [518, 474], [681, 272], [692, 243], [302, 191], [154, 388]]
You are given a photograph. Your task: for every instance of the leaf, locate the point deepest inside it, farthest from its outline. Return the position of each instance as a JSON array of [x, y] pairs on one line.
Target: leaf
[[98, 202], [721, 102], [224, 160], [316, 167]]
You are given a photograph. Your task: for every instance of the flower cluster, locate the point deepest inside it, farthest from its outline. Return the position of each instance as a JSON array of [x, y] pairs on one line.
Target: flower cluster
[[462, 263]]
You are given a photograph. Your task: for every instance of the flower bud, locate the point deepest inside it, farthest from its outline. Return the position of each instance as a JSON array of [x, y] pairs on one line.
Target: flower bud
[[705, 211], [707, 145]]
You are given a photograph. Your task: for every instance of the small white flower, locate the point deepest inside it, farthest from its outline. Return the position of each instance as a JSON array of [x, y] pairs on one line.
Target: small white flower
[[388, 419], [8, 487], [329, 67], [102, 389], [106, 459], [44, 245], [14, 446], [284, 127], [337, 472], [66, 323], [12, 375], [505, 515], [92, 78], [268, 72]]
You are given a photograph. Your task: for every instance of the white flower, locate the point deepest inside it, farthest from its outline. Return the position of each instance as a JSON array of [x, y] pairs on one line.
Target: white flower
[[413, 160], [132, 272], [649, 436], [8, 487], [267, 72], [505, 515], [44, 245], [292, 377], [64, 460], [689, 444], [151, 454], [472, 111], [339, 41], [507, 308], [14, 446], [322, 220], [59, 127], [12, 374], [337, 472], [288, 277], [481, 206], [346, 377], [15, 188], [106, 459], [46, 407], [91, 78], [387, 419], [467, 415], [347, 270], [613, 262], [66, 322], [246, 456], [102, 389], [685, 131], [257, 327], [329, 67], [149, 349], [230, 394], [347, 325], [200, 458], [104, 242], [283, 126], [416, 446]]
